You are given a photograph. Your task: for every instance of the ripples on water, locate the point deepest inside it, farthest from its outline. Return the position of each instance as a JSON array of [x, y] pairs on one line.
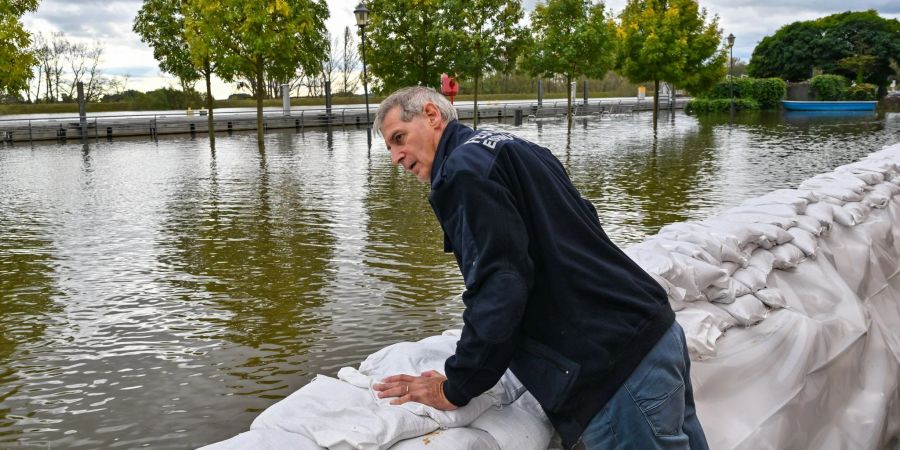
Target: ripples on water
[[160, 294]]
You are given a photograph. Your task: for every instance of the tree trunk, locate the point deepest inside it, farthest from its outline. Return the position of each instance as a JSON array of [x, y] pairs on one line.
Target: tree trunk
[[260, 91], [655, 99], [210, 125], [569, 117], [475, 119]]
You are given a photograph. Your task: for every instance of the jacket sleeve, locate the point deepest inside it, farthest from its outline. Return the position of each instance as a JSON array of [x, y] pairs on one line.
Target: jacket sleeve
[[490, 241]]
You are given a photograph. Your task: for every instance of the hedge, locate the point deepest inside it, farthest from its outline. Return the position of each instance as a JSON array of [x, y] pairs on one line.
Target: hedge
[[829, 87], [767, 92], [708, 105], [862, 91]]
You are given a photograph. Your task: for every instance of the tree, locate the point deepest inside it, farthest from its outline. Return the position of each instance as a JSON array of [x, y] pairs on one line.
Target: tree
[[16, 57], [349, 63], [796, 49], [487, 34], [571, 38], [416, 32], [256, 39], [670, 41], [161, 24]]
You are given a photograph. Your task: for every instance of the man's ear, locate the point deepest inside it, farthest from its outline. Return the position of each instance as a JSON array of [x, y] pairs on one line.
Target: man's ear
[[433, 115]]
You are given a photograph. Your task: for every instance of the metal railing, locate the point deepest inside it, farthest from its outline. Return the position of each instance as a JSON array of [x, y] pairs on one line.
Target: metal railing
[[153, 125]]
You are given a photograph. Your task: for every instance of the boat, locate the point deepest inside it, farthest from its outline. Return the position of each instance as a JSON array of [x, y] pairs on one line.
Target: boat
[[853, 105]]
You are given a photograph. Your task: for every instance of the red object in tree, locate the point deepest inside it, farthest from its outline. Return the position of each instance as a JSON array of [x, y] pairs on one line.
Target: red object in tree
[[449, 86]]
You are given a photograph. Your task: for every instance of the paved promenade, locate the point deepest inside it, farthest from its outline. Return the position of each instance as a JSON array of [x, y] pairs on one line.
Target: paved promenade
[[29, 128]]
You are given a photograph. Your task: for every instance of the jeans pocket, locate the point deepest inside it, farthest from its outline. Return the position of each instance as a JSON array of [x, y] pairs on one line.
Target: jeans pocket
[[657, 386], [665, 415]]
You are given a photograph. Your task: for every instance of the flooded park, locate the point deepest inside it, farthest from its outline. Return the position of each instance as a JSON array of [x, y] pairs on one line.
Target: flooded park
[[160, 293]]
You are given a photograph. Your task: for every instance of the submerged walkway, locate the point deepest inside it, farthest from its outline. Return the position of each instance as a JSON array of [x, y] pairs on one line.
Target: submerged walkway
[[177, 122]]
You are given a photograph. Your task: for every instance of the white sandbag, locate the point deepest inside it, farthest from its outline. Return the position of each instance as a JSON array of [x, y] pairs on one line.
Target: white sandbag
[[654, 259], [698, 275], [752, 277], [858, 211], [760, 234], [721, 246], [811, 225], [685, 248], [821, 211], [729, 267], [787, 256], [771, 297], [763, 260], [727, 293], [783, 222], [842, 216], [700, 331], [796, 198], [264, 439], [676, 294], [413, 358], [867, 176], [451, 439], [877, 198], [521, 425], [805, 241], [746, 310], [335, 414], [775, 209]]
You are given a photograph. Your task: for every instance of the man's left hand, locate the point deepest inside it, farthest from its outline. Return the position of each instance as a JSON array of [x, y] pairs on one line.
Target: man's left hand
[[425, 389]]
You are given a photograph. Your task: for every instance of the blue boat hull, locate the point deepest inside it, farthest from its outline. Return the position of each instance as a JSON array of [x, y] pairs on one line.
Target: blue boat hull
[[829, 106]]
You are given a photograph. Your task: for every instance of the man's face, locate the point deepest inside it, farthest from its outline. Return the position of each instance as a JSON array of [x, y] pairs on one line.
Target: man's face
[[413, 144]]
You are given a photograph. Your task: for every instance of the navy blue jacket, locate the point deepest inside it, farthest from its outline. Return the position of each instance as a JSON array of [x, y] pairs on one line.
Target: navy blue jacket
[[548, 295]]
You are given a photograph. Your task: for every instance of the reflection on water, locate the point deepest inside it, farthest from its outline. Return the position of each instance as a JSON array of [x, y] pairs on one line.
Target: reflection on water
[[162, 294]]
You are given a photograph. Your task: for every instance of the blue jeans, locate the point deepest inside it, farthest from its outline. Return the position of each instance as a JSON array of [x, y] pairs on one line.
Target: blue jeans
[[654, 409]]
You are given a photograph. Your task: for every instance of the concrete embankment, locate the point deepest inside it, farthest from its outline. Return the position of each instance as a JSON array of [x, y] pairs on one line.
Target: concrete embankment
[[111, 126]]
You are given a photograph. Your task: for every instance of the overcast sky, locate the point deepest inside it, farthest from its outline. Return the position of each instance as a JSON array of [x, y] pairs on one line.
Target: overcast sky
[[110, 22]]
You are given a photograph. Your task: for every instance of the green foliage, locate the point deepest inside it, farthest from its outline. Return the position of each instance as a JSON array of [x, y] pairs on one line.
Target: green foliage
[[571, 38], [417, 33], [766, 92], [669, 40], [843, 44], [16, 58], [160, 24], [155, 100], [829, 87], [712, 105], [487, 39], [862, 91], [255, 40]]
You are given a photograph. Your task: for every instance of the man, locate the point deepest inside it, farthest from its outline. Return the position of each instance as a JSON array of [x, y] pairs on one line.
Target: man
[[548, 295]]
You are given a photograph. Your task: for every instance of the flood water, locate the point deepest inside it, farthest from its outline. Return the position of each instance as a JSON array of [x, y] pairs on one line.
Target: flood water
[[159, 294]]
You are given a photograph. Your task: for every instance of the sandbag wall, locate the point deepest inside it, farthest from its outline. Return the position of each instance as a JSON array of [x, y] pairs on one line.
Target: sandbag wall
[[791, 307]]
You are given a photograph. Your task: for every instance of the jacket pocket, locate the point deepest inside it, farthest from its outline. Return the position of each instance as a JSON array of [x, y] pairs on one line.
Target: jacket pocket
[[547, 374]]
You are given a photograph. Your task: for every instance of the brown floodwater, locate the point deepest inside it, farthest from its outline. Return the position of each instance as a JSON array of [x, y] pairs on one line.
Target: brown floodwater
[[161, 294]]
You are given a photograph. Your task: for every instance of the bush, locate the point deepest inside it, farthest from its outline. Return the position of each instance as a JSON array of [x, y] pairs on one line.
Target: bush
[[829, 87], [862, 91], [766, 92], [708, 105]]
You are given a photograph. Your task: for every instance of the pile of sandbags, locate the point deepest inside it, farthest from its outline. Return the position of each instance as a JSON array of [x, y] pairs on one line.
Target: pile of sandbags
[[717, 271]]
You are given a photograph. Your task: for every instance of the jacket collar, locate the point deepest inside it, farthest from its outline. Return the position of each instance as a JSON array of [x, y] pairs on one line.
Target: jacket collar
[[453, 136]]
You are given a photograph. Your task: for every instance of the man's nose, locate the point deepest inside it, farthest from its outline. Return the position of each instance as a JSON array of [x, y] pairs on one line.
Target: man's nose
[[395, 157]]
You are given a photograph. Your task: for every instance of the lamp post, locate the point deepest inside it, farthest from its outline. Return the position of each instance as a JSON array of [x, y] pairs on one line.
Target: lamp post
[[731, 70], [362, 19]]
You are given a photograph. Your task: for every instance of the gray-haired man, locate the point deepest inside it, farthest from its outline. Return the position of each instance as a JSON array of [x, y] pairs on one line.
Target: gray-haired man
[[548, 295]]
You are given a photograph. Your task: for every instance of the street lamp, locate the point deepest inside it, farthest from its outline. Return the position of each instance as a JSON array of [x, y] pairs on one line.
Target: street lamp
[[362, 19], [731, 70]]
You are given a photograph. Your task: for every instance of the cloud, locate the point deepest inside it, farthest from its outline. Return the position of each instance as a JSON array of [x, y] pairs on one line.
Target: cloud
[[110, 22]]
